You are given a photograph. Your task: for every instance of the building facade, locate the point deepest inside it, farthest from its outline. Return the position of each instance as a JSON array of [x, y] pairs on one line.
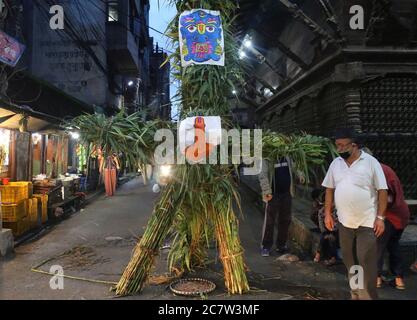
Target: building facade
[[98, 60], [101, 55], [322, 68], [160, 104]]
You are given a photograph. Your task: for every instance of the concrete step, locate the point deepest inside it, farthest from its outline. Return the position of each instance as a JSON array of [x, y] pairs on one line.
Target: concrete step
[[6, 241]]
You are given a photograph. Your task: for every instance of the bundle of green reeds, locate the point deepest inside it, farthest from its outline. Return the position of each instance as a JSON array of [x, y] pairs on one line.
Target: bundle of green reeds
[[307, 152], [206, 191], [137, 271], [122, 133]]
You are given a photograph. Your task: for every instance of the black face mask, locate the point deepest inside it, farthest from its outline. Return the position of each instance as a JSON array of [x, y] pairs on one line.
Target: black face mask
[[345, 155]]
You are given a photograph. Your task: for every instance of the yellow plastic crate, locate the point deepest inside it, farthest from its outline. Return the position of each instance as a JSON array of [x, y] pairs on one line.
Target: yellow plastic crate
[[14, 192], [43, 201], [28, 185], [29, 207], [33, 212], [18, 227], [14, 212]]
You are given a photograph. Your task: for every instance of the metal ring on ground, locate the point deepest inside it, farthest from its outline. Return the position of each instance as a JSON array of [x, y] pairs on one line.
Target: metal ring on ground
[[176, 283]]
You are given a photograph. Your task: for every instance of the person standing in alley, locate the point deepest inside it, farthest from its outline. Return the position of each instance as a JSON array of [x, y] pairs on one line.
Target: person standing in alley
[[356, 184], [277, 192], [397, 218], [110, 174]]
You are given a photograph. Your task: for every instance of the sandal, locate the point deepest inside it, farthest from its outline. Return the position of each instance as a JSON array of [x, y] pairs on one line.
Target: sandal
[[400, 285], [317, 257], [379, 282], [332, 261]]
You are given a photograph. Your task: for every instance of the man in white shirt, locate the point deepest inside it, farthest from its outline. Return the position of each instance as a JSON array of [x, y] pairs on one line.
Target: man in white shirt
[[355, 183]]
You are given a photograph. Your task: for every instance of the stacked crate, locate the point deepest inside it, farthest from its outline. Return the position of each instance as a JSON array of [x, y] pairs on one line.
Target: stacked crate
[[33, 213], [42, 206], [14, 206]]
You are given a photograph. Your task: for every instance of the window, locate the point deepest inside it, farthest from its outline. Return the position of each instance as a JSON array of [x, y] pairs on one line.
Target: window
[[113, 9]]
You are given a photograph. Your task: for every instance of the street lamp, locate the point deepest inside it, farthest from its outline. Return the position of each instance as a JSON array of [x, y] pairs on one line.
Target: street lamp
[[165, 170], [268, 92], [247, 43]]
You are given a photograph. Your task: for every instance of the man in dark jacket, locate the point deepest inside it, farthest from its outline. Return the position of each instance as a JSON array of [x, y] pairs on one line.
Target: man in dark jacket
[[277, 191]]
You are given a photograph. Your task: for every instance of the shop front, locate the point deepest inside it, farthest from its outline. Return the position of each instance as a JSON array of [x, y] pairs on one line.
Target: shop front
[[39, 176]]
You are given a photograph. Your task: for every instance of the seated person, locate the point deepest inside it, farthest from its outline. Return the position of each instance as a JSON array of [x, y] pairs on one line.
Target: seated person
[[329, 239]]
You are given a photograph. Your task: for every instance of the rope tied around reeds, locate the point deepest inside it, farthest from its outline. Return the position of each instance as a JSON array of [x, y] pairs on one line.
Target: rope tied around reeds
[[147, 250], [232, 256]]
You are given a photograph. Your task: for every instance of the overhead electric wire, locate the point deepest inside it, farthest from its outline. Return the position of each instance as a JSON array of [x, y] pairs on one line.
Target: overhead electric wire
[[95, 28], [98, 33], [72, 34]]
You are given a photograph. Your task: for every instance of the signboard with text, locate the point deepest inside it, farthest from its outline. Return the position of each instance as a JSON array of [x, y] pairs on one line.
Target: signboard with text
[[10, 49]]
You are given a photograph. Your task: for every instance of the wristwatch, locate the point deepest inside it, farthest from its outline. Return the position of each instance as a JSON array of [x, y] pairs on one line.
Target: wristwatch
[[381, 218]]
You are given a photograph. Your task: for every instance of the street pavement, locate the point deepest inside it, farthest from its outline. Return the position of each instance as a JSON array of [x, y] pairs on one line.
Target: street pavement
[[96, 243]]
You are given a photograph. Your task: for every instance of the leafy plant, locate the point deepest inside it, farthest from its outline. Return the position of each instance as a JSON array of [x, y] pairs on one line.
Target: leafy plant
[[306, 151], [122, 133]]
